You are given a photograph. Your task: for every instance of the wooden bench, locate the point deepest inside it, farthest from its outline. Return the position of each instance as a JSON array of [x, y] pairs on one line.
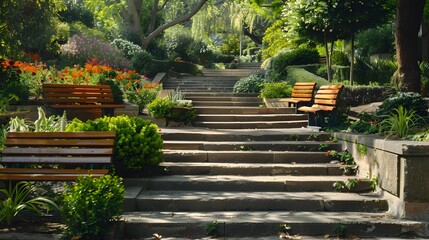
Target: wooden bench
[[59, 156], [302, 94], [325, 101], [80, 97]]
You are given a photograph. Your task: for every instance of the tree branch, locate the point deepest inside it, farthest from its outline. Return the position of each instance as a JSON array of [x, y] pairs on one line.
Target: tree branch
[[153, 13], [178, 20], [163, 5]]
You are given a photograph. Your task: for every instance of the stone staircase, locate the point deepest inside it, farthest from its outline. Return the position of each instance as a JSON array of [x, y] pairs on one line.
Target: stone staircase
[[247, 172]]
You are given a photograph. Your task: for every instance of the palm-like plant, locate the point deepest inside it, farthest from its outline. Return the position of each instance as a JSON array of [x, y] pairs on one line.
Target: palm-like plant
[[18, 199], [400, 123]]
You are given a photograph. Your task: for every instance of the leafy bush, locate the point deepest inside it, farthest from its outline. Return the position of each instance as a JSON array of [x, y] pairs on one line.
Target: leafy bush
[[82, 49], [250, 84], [143, 63], [297, 74], [161, 65], [90, 204], [380, 71], [409, 100], [160, 107], [276, 90], [199, 52], [185, 67], [376, 40], [142, 97], [400, 123], [77, 13], [360, 95], [223, 58], [424, 67], [138, 141], [128, 48], [177, 46], [340, 58]]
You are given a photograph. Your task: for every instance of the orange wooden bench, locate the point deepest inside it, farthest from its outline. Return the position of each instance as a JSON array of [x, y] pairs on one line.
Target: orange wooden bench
[[81, 97], [56, 156], [325, 101], [302, 94]]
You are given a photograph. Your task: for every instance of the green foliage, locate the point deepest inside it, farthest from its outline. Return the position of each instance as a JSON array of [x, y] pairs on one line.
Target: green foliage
[[142, 62], [77, 13], [373, 183], [138, 142], [12, 84], [424, 67], [276, 90], [274, 40], [185, 67], [160, 107], [223, 58], [376, 40], [128, 48], [408, 100], [250, 84], [360, 95], [211, 229], [283, 59], [362, 126], [400, 123], [380, 71], [17, 199], [347, 185], [340, 58], [90, 204], [200, 53], [43, 124], [296, 74], [143, 97], [343, 156]]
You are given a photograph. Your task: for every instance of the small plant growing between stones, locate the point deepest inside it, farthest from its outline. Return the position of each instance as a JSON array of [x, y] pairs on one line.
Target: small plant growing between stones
[[343, 156], [373, 183], [246, 148], [293, 137], [212, 228], [362, 149], [340, 230], [347, 185], [323, 146], [350, 170], [313, 137]]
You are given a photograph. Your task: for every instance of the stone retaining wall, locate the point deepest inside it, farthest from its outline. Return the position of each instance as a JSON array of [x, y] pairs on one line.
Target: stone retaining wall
[[402, 168]]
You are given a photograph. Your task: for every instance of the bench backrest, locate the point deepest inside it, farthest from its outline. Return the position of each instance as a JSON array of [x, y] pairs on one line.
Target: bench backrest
[[59, 147], [327, 96], [303, 91], [77, 94]]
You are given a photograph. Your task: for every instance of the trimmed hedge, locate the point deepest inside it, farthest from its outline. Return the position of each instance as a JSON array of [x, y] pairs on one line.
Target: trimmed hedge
[[185, 67], [360, 95], [297, 74]]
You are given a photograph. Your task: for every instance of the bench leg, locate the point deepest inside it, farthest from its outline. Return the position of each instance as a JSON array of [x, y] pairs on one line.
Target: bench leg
[[312, 120], [108, 112]]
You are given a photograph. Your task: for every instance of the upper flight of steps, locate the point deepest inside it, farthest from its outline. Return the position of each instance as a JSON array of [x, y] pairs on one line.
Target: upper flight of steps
[[251, 182]]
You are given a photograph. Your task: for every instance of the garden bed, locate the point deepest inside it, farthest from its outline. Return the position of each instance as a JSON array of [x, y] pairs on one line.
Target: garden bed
[[401, 168]]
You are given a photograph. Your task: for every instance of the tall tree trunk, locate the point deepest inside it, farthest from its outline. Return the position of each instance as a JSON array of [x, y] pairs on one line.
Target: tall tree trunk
[[133, 17], [425, 41], [352, 60], [408, 19], [328, 58]]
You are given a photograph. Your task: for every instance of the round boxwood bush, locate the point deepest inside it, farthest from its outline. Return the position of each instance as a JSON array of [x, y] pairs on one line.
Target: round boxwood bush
[[276, 90], [160, 107], [409, 100], [138, 142], [250, 84]]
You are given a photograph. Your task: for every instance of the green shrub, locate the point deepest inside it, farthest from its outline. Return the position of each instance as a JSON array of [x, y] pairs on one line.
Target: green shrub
[[409, 100], [297, 74], [250, 84], [360, 95], [142, 97], [185, 67], [424, 67], [340, 58], [161, 66], [276, 90], [376, 40], [90, 204], [400, 123], [128, 48], [223, 58], [143, 63], [138, 142], [380, 71], [160, 107], [200, 53]]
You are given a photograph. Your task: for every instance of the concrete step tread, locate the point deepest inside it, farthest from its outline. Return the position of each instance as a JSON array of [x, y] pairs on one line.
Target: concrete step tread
[[213, 195], [253, 122], [264, 216], [253, 165], [226, 152], [256, 179], [240, 107], [253, 115], [255, 132], [248, 142]]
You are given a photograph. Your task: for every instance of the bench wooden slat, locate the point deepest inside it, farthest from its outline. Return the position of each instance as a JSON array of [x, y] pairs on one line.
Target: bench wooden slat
[[82, 106], [55, 160], [325, 102], [64, 135], [60, 142], [52, 171], [47, 177], [57, 151], [302, 93]]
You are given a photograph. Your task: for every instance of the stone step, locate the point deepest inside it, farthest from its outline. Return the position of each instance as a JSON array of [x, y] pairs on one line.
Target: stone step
[[242, 110], [228, 72], [244, 183], [223, 98], [202, 134], [252, 125], [203, 89], [249, 117], [250, 145], [219, 94], [244, 156], [183, 201], [267, 224], [227, 103], [255, 169]]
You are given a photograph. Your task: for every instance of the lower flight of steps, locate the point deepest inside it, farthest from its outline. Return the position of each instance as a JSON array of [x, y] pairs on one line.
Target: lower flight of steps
[[241, 111], [250, 183]]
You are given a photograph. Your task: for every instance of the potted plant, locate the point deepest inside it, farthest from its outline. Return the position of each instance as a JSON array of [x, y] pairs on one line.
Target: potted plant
[[272, 92]]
